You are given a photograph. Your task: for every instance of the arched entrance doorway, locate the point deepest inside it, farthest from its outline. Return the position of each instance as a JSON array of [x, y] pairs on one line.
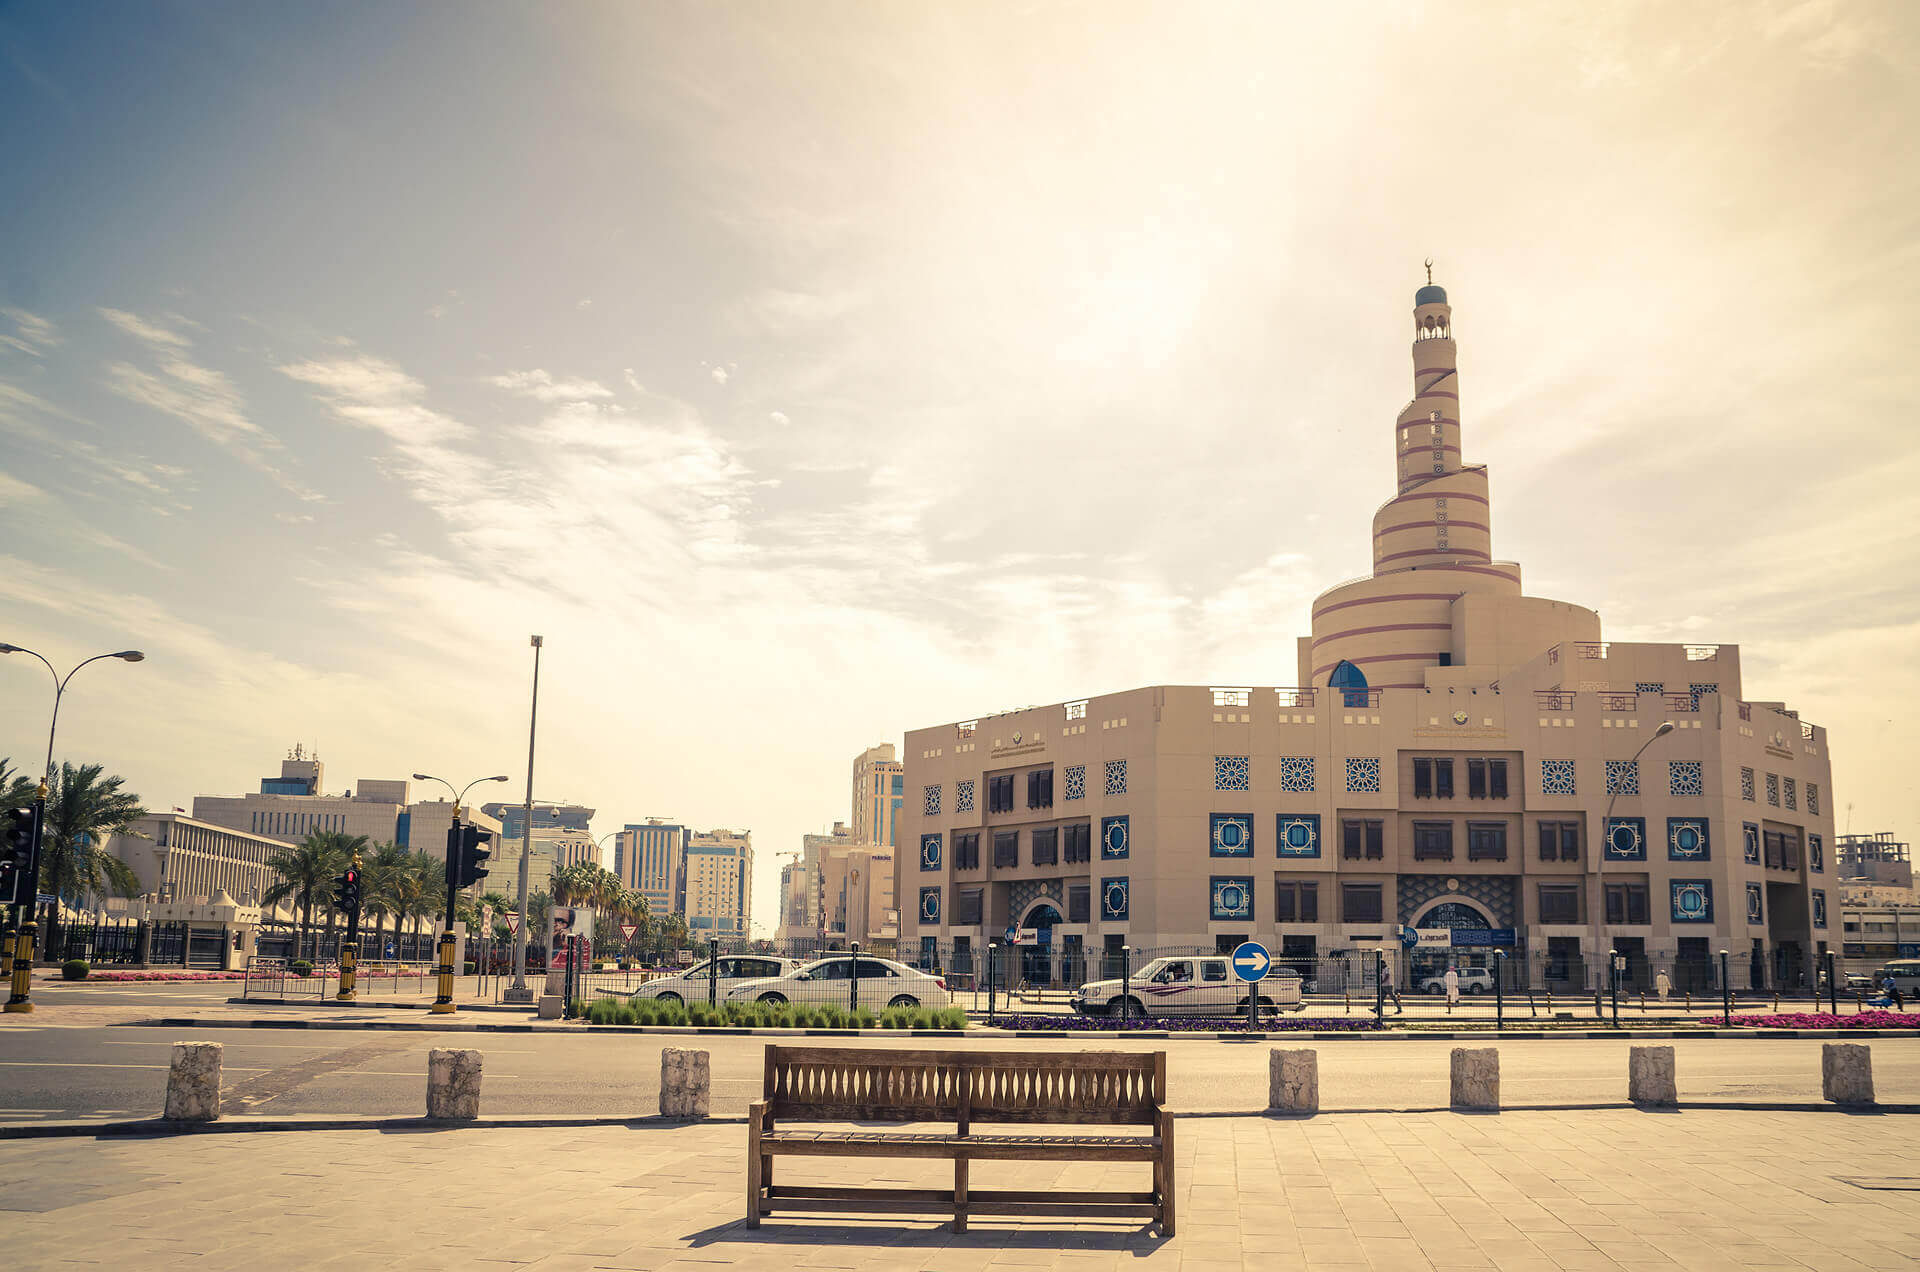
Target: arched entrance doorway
[[1036, 960], [1459, 916]]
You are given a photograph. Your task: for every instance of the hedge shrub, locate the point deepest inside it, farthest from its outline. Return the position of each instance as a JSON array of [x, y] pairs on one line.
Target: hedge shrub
[[75, 969]]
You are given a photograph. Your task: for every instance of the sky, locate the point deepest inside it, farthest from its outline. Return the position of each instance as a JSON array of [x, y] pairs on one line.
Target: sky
[[809, 373]]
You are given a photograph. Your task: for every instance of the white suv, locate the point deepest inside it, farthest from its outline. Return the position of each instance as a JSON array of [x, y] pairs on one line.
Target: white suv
[[693, 985], [1203, 985], [826, 983], [1473, 980]]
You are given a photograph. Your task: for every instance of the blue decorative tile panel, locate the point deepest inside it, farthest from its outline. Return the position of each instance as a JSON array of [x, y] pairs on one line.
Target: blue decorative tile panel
[[1296, 774], [1556, 777], [1626, 839], [1816, 855], [1756, 903], [1623, 777], [1692, 900], [1819, 908], [1684, 778], [1687, 839], [1230, 834], [1115, 841], [1230, 773], [1116, 777], [929, 905], [1298, 835], [930, 801], [1363, 773], [963, 795], [1076, 781], [929, 852], [1113, 898], [1750, 843], [1232, 897]]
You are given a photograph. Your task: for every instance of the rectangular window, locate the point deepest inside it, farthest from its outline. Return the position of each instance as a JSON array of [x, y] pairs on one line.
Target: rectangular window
[[1443, 779], [1433, 841], [1376, 841], [1496, 779], [1079, 902], [1296, 901], [1423, 779], [1476, 779], [1046, 846], [1000, 793], [1559, 903], [1006, 848], [1486, 841], [966, 907], [1362, 837], [1360, 903], [1079, 846], [1040, 788], [1627, 903], [966, 851]]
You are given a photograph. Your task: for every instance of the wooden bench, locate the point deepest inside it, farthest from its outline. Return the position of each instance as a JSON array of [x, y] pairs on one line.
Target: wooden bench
[[1075, 1089]]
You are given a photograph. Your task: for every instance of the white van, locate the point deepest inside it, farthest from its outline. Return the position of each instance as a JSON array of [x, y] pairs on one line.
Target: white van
[[1201, 985]]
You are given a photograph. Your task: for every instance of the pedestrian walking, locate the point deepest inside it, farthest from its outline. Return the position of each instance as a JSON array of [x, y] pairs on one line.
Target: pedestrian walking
[[1893, 994], [1663, 985], [1452, 981], [1389, 990]]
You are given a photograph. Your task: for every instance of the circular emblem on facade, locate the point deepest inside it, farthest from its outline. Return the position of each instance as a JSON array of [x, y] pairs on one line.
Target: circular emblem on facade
[[1686, 840], [1232, 834], [1690, 901], [930, 906], [1230, 898], [1115, 899], [930, 853], [1299, 835], [1623, 839], [1460, 717], [1117, 837], [1453, 885]]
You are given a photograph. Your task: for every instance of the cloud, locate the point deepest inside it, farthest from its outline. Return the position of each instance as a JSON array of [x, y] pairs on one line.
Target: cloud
[[779, 419], [31, 335], [147, 332], [541, 386], [15, 491], [376, 394], [720, 375]]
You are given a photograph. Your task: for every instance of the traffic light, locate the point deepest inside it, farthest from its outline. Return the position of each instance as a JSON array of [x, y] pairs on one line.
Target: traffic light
[[473, 855], [16, 856], [346, 891]]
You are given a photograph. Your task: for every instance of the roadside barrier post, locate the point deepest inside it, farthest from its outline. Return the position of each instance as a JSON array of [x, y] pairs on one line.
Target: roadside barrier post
[[1613, 984], [713, 973], [1726, 990], [1379, 987], [1833, 990], [1126, 984], [993, 951], [1499, 992], [853, 981], [193, 1083], [443, 1000], [453, 1084]]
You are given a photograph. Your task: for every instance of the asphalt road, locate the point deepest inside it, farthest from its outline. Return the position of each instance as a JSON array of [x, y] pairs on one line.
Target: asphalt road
[[54, 1070]]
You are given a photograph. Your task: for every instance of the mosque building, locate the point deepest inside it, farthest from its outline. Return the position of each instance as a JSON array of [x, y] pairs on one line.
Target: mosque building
[[1458, 768]]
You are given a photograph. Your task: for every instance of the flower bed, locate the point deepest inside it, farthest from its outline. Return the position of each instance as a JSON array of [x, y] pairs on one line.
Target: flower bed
[[1821, 1020], [165, 976], [1190, 1024]]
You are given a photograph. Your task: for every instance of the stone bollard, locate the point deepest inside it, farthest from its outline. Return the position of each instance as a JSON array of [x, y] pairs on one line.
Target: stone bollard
[[1476, 1079], [193, 1083], [453, 1085], [685, 1082], [1293, 1081], [1650, 1080], [1846, 1072]]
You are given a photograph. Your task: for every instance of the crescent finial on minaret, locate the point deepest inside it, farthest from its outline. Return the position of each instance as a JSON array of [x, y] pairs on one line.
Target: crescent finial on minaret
[[1429, 269]]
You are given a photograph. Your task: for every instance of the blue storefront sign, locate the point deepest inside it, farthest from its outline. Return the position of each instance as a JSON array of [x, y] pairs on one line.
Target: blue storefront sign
[[1483, 936]]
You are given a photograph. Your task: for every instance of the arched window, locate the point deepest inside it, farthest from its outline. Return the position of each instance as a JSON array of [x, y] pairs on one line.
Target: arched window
[[1350, 678]]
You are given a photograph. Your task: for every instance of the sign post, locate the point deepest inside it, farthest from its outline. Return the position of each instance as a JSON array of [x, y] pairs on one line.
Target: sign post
[[1250, 963]]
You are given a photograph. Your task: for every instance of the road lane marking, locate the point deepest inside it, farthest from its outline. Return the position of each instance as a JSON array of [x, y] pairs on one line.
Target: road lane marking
[[95, 1064]]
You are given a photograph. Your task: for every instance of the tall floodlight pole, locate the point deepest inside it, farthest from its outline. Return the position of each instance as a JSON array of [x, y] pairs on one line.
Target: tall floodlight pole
[[518, 991], [1600, 859]]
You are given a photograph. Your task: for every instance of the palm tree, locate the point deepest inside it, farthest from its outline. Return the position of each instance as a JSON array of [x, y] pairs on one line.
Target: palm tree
[[16, 788], [306, 870], [378, 879], [83, 810]]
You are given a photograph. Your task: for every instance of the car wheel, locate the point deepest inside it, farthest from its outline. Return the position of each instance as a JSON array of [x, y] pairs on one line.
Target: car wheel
[[675, 999], [773, 1000], [1127, 1009], [1476, 989], [904, 1000]]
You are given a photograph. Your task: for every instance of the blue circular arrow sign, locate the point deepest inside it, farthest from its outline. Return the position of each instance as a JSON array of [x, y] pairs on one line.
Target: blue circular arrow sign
[[1251, 961]]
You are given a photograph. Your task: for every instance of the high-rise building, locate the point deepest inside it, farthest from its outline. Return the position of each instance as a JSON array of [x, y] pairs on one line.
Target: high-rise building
[[839, 890], [879, 785], [547, 815], [651, 858], [719, 883], [1457, 765]]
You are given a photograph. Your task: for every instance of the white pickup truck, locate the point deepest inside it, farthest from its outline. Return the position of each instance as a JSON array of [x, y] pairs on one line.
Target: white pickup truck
[[1201, 985]]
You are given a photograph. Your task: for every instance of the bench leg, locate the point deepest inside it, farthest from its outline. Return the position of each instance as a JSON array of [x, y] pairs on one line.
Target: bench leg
[[756, 1169], [960, 1165], [1163, 1182]]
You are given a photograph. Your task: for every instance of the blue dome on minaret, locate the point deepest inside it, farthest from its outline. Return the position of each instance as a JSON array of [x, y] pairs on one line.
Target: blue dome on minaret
[[1431, 294]]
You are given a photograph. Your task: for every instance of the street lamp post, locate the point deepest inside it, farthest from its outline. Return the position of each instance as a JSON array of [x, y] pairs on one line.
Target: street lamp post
[[1606, 843], [443, 1001], [21, 998], [518, 991]]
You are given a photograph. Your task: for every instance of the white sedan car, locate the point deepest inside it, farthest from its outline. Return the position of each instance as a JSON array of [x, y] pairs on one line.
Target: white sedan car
[[826, 983], [693, 985], [1198, 986]]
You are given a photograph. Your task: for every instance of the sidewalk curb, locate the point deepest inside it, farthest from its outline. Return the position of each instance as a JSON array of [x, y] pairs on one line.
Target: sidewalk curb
[[989, 1032], [154, 1127], [385, 1005]]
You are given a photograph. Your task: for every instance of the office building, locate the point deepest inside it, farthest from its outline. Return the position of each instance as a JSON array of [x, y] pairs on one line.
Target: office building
[[839, 890], [651, 858], [719, 884]]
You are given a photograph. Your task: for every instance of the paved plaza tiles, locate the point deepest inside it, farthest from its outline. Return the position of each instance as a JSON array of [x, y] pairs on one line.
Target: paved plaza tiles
[[1533, 1190]]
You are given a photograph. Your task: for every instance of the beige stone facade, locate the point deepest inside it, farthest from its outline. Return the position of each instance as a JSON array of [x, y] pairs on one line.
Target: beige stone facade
[[719, 884], [840, 890], [1453, 755]]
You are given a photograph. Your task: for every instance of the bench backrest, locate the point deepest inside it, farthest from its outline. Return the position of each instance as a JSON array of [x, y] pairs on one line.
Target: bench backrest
[[861, 1084]]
